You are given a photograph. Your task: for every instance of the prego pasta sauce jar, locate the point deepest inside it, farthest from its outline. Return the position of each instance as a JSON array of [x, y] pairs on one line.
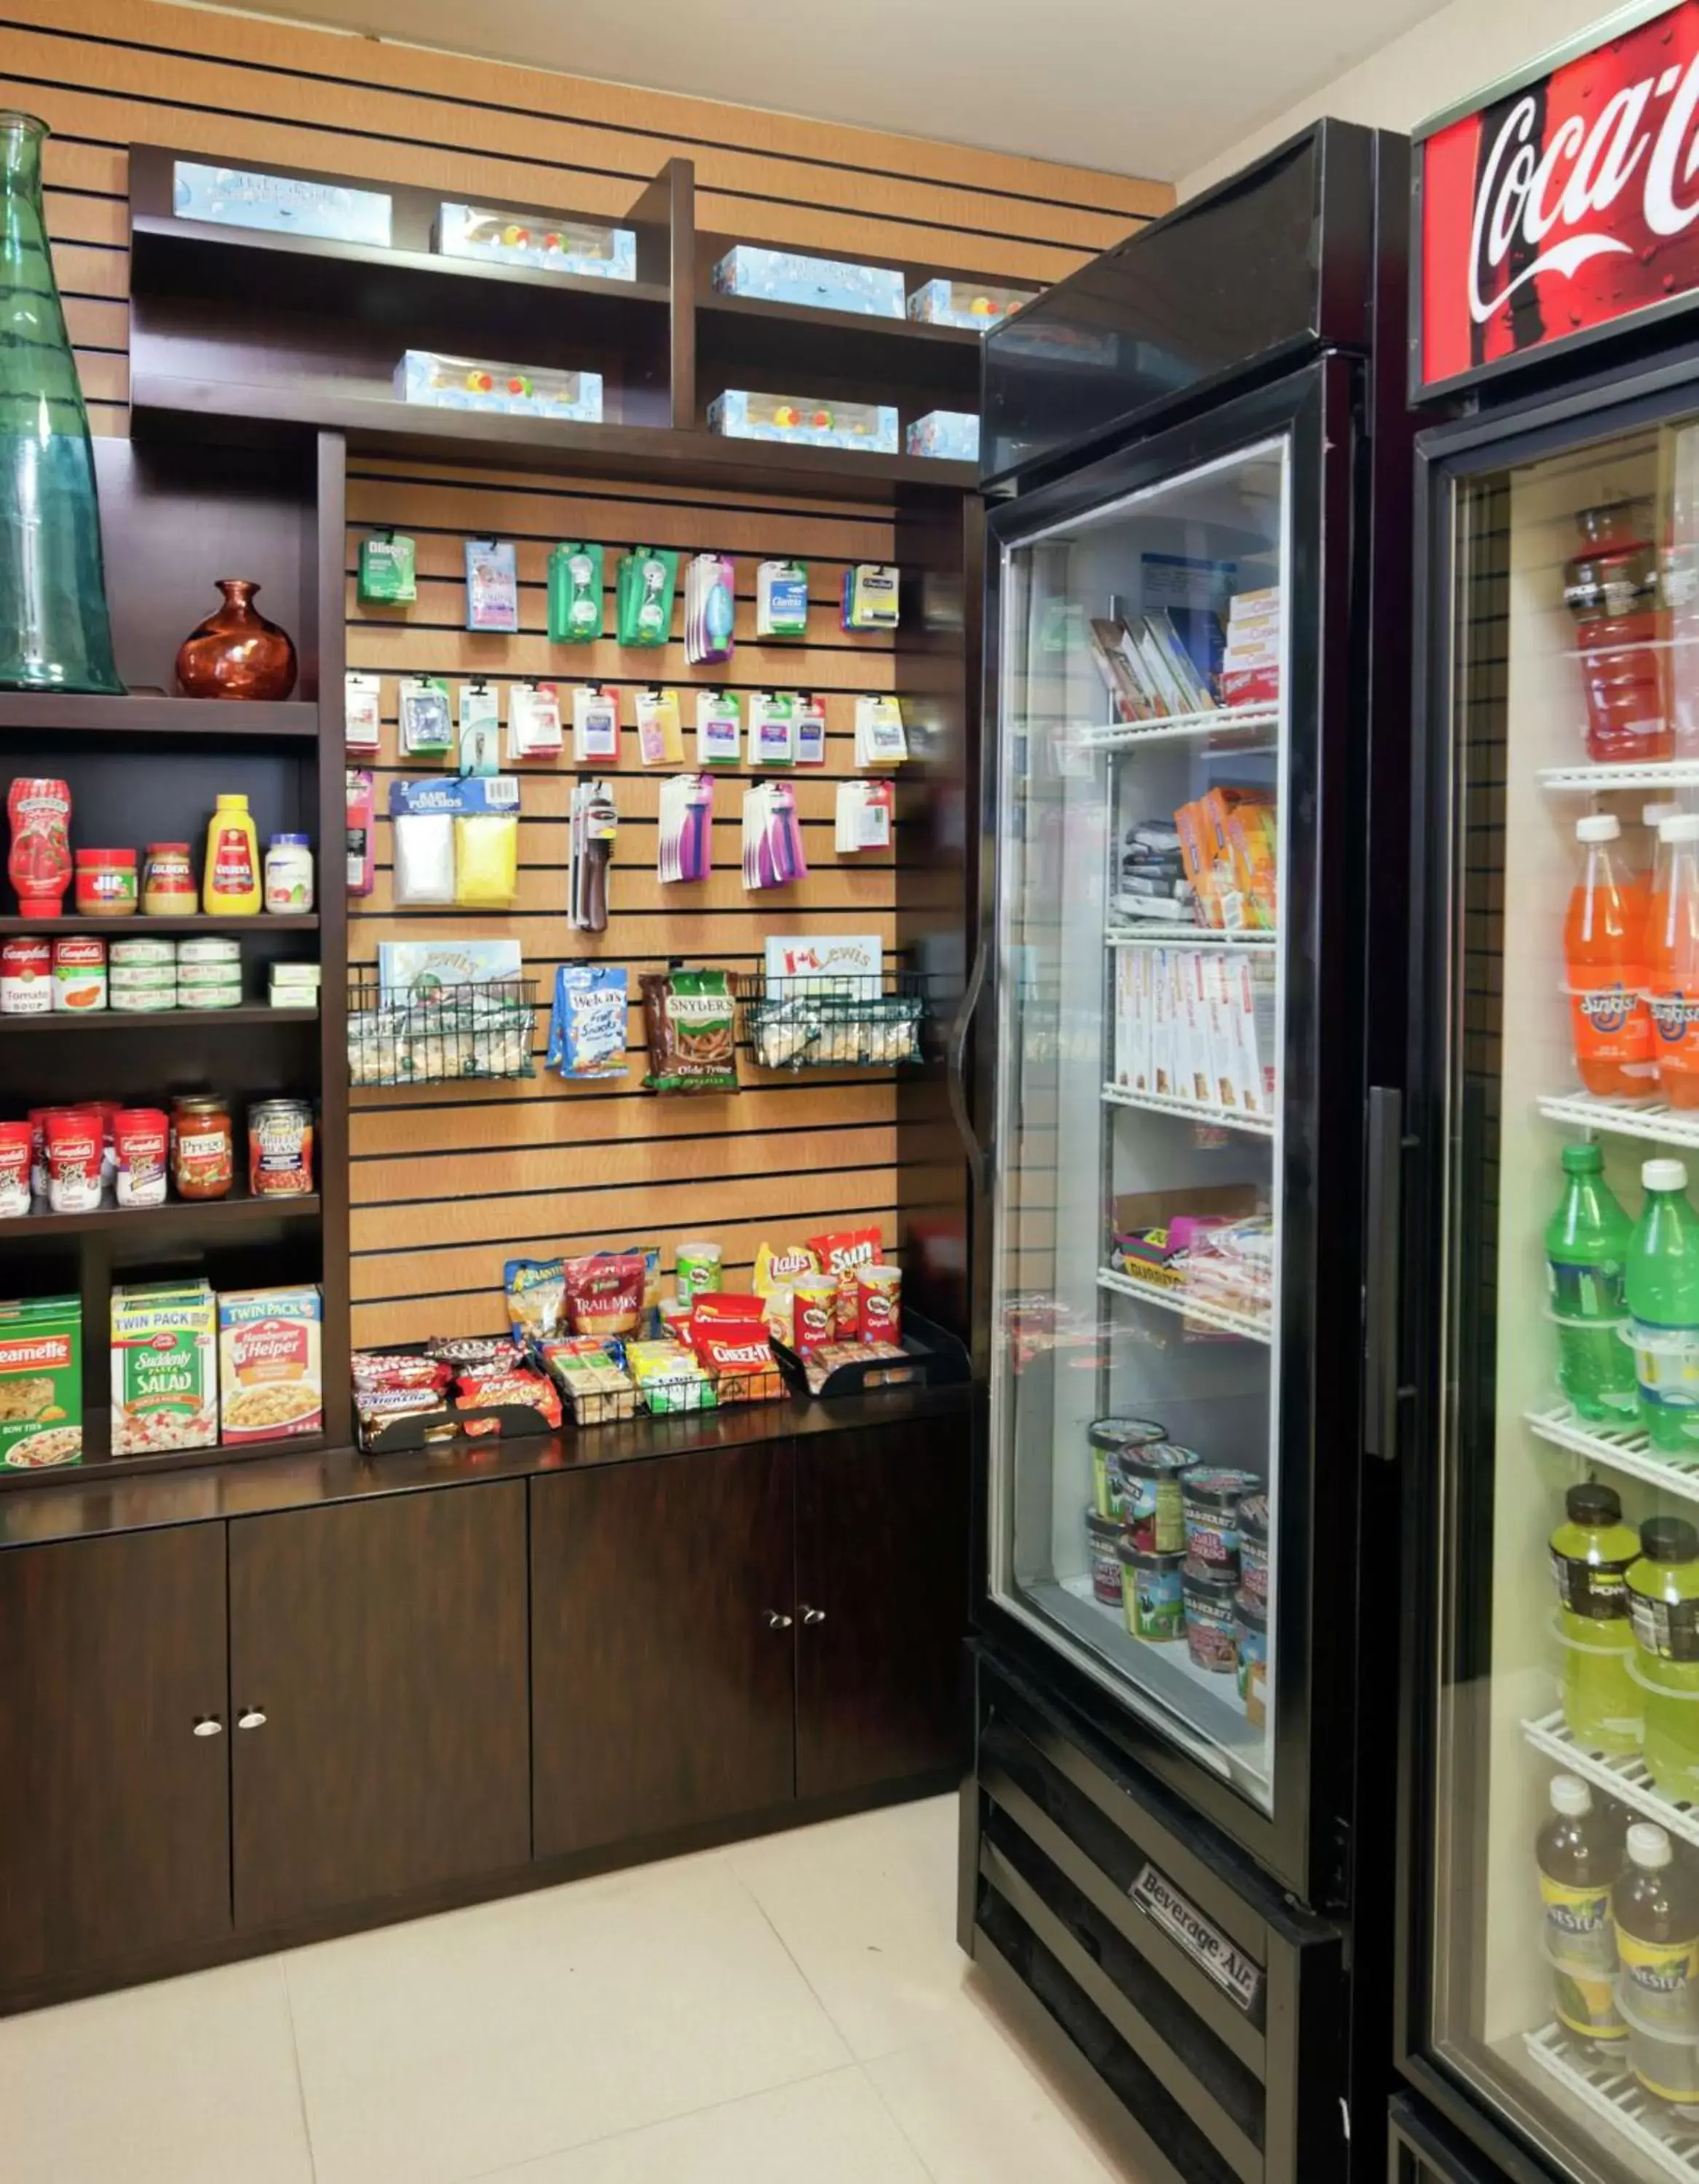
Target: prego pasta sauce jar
[[202, 1151]]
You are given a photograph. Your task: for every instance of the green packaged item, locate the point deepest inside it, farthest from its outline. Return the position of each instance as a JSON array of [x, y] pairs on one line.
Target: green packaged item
[[575, 594], [649, 577], [387, 571], [41, 1382], [691, 1020]]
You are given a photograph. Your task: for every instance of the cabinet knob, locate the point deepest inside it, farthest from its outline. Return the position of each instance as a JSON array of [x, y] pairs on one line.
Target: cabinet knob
[[208, 1725], [814, 1615], [252, 1718], [778, 1622]]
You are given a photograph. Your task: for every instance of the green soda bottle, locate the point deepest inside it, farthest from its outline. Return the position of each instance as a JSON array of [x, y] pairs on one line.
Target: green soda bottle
[[1591, 1553], [1661, 1291], [1664, 1608], [1586, 1253]]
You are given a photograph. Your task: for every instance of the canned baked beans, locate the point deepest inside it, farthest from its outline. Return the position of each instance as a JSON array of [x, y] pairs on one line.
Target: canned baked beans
[[279, 1148]]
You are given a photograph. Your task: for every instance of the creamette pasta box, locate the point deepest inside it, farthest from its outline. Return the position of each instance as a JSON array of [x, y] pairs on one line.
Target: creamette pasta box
[[271, 1385], [41, 1382]]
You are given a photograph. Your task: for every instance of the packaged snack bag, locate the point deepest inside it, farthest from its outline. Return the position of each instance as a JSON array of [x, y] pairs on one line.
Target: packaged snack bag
[[586, 1027], [778, 1269], [604, 1295], [691, 1019], [840, 1252], [535, 1291]]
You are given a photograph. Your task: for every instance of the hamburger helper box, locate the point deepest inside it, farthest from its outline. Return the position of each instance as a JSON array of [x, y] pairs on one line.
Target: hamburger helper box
[[271, 1382]]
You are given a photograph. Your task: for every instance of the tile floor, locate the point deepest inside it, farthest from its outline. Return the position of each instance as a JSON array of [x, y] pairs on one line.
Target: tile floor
[[789, 2009]]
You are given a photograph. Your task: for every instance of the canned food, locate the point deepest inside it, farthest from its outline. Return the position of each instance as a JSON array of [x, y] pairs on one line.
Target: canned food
[[879, 1304], [129, 954], [74, 1157], [16, 1140], [140, 1001], [78, 973], [194, 971], [699, 1270], [27, 978], [279, 1148], [141, 1140], [209, 948], [817, 1312], [209, 997], [132, 978]]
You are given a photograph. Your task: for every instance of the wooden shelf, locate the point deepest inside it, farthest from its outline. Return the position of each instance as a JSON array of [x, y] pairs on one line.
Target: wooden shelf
[[153, 1019], [68, 713], [749, 341], [119, 928], [259, 411], [177, 1213]]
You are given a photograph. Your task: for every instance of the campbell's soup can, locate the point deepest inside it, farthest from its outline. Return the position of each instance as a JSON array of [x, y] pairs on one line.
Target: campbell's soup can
[[879, 1304], [816, 1312], [27, 978]]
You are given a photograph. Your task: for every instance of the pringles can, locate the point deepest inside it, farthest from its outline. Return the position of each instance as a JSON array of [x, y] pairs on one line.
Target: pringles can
[[817, 1312], [879, 1304]]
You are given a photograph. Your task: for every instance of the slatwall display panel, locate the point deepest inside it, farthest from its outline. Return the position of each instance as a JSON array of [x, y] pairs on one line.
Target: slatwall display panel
[[449, 1181], [107, 73]]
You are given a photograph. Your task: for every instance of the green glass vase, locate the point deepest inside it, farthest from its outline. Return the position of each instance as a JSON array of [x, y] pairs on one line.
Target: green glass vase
[[54, 632]]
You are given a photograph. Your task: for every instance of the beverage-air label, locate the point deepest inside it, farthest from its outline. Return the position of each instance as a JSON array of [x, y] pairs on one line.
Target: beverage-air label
[[1670, 1629], [1598, 1590], [1240, 1977], [1567, 204]]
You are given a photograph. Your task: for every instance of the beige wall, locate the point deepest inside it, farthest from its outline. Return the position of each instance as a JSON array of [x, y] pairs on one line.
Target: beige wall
[[1456, 52]]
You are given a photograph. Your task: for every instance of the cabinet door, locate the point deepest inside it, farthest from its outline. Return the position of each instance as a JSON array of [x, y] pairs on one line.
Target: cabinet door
[[114, 1815], [882, 1551], [377, 1697], [661, 1600]]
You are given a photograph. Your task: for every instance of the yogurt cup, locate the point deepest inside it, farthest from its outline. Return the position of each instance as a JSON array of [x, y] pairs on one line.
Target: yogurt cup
[[1106, 1438]]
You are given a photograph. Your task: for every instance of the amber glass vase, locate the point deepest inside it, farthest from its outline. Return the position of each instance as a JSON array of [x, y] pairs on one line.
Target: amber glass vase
[[54, 634], [237, 652]]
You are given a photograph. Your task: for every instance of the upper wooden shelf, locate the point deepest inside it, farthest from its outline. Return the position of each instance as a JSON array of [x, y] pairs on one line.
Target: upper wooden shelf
[[144, 714], [168, 408]]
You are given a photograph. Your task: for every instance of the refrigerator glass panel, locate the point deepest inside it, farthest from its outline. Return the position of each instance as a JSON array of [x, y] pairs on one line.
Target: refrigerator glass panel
[[1136, 1206], [1565, 1945]]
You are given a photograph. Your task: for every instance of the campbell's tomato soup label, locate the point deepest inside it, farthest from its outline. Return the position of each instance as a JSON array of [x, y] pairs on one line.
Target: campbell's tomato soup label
[[78, 973], [41, 1382], [271, 1377], [27, 978], [1567, 204]]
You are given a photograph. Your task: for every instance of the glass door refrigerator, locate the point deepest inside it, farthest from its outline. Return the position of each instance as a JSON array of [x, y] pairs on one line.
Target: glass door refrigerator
[[1549, 1979], [1199, 500]]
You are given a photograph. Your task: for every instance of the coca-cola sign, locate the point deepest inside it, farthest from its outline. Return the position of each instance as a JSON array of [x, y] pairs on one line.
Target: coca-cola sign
[[1567, 205]]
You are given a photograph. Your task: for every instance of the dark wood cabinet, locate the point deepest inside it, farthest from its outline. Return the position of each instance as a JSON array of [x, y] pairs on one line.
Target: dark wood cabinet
[[114, 1815], [882, 1554], [377, 1689], [662, 1601]]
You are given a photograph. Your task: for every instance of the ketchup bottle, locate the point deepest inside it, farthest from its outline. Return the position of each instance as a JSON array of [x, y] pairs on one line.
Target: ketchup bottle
[[1612, 592], [39, 866]]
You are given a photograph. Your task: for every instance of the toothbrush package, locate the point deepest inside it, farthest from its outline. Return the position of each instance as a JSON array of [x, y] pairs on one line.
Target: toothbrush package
[[773, 841], [684, 849], [648, 581], [595, 823], [710, 609], [575, 593]]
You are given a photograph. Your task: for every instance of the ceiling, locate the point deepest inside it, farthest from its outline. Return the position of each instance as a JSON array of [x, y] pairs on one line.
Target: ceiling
[[1137, 86]]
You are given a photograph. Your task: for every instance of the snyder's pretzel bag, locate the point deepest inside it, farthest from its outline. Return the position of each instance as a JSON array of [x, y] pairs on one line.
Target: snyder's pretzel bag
[[690, 1018]]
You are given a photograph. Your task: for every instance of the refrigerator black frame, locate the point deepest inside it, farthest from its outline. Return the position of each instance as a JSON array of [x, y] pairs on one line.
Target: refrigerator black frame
[[1323, 406], [1550, 422]]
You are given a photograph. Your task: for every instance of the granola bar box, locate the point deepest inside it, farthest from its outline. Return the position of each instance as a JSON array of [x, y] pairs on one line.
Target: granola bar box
[[41, 1382], [271, 1384], [164, 1368]]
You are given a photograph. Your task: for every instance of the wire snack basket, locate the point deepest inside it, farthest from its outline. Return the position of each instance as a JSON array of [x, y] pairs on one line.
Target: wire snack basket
[[447, 1034], [832, 1022]]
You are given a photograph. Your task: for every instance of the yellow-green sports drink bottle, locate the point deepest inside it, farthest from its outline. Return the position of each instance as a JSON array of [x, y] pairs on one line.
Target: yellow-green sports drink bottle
[[1661, 1286], [1663, 1607], [1592, 1550]]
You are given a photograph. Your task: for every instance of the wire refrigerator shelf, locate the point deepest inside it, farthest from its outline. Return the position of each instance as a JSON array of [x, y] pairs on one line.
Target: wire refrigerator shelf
[[1655, 1122], [1588, 780], [1622, 1449], [1658, 2133], [1189, 1307], [1191, 1111], [1236, 720], [1173, 932], [1620, 1775]]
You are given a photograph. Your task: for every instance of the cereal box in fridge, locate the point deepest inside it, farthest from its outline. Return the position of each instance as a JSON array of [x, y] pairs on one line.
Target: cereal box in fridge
[[164, 1368], [41, 1382], [271, 1374]]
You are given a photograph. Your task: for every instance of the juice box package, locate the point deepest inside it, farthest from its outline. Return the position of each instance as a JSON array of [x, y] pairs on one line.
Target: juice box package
[[41, 1382], [164, 1368], [271, 1384]]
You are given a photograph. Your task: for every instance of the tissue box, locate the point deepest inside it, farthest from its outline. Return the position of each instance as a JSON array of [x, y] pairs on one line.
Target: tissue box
[[463, 382], [280, 204], [557, 246], [870, 427], [954, 433], [823, 284], [966, 303]]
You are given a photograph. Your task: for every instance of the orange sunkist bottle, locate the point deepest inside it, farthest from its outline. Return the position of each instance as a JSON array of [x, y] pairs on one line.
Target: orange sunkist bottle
[[1604, 955], [1672, 954]]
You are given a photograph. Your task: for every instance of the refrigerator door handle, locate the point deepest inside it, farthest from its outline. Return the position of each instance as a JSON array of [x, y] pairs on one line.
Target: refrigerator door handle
[[1384, 1209], [978, 1154]]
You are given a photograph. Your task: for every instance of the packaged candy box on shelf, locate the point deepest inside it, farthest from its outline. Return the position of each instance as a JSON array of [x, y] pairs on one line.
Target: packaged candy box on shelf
[[821, 284], [965, 303], [556, 246], [870, 427], [951, 433], [464, 382], [235, 197]]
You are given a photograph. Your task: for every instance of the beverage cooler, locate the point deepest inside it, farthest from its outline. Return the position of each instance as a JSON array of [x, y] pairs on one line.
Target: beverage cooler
[[1197, 570], [1549, 1974]]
